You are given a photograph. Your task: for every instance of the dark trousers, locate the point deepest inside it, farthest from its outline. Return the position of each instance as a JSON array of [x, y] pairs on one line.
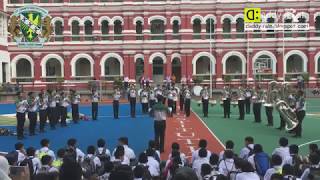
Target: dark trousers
[[282, 122], [58, 113], [181, 102], [94, 110], [269, 110], [159, 133], [226, 108], [151, 103], [241, 104], [21, 118], [187, 107], [164, 100], [64, 112], [174, 107], [170, 104], [52, 116], [205, 107], [75, 112], [32, 116], [257, 112], [247, 102], [133, 107], [116, 109], [300, 117], [144, 108], [43, 119]]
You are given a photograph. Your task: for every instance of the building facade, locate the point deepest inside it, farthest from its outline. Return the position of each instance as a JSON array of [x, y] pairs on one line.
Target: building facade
[[106, 39]]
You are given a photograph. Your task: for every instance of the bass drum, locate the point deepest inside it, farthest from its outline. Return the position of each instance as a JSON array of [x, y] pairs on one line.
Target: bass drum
[[197, 90]]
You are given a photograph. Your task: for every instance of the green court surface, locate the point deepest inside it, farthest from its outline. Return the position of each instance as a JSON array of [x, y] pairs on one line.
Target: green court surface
[[236, 130]]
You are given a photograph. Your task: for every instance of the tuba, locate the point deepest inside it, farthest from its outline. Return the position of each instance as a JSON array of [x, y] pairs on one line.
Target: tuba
[[277, 95]]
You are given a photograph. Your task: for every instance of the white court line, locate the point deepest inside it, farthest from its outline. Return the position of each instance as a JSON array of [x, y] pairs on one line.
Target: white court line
[[209, 130], [126, 116], [318, 140]]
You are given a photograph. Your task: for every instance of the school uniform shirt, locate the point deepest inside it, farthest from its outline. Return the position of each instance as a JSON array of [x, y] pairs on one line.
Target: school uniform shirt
[[247, 175], [128, 152], [153, 166], [306, 172], [170, 96], [144, 96], [187, 94], [205, 94], [76, 99], [48, 169], [152, 96], [221, 154], [95, 97], [195, 155], [174, 95], [226, 166], [300, 104], [52, 103], [244, 153], [79, 154], [100, 150], [47, 151], [33, 105], [96, 160], [43, 104], [21, 106], [283, 152], [65, 102], [36, 164], [251, 161], [196, 165], [133, 93], [57, 98], [273, 170], [158, 91], [21, 156], [248, 94], [117, 96], [125, 160], [182, 157]]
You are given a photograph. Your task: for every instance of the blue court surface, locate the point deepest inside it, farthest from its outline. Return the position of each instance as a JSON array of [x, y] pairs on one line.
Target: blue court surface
[[139, 130]]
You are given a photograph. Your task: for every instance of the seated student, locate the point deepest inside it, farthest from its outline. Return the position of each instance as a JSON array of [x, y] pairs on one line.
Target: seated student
[[91, 155], [313, 148], [202, 144], [295, 160], [119, 157], [44, 150], [108, 167], [206, 172], [72, 144], [47, 167], [176, 147], [123, 172], [214, 162], [246, 171], [153, 164], [313, 171], [276, 162], [196, 165], [248, 149], [259, 160], [185, 173], [129, 153], [102, 152], [57, 163], [229, 146], [283, 149], [32, 162], [138, 172], [288, 172], [226, 165], [174, 165], [152, 145], [21, 153], [70, 168]]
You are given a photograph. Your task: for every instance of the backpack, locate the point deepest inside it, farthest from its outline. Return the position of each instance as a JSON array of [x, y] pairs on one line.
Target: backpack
[[12, 158], [42, 153], [314, 173], [28, 162], [262, 163], [88, 167], [296, 164], [250, 151], [146, 173], [103, 156]]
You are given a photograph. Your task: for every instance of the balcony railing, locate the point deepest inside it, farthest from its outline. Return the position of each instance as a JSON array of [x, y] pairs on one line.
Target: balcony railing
[[82, 78]]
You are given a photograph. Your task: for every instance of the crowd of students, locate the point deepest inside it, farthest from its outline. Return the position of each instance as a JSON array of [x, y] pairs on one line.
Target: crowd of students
[[99, 163]]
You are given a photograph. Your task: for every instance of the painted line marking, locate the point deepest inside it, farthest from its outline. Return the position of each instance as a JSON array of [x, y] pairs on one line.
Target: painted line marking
[[310, 142]]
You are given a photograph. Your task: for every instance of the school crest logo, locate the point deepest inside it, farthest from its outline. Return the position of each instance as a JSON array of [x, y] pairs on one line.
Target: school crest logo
[[30, 26]]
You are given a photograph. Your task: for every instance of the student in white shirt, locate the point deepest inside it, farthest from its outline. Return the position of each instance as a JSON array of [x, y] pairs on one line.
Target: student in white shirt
[[196, 165], [246, 171], [72, 143], [206, 172], [229, 146], [314, 160], [102, 151], [176, 147], [119, 156], [276, 162], [226, 165], [47, 167], [44, 150], [202, 144], [21, 152], [128, 152], [154, 165], [91, 155], [249, 143], [283, 149], [36, 163]]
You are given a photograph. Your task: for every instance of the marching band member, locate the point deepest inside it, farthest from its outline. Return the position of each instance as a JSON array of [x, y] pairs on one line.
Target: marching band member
[[226, 101], [126, 83], [164, 94], [132, 99], [116, 99], [51, 110], [21, 108], [152, 98], [292, 103], [269, 109], [95, 97], [32, 113], [241, 103], [181, 96], [75, 100], [158, 91], [43, 110], [170, 99], [58, 108], [301, 112], [248, 95], [205, 100], [64, 111], [175, 99], [256, 101], [187, 101], [144, 95]]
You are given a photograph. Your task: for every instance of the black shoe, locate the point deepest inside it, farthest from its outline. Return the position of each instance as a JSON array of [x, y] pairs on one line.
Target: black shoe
[[296, 136]]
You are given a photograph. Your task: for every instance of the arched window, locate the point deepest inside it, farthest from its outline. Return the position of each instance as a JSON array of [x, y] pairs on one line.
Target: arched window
[[88, 28], [157, 29], [233, 65], [317, 26], [196, 29], [176, 69], [139, 68], [210, 28], [53, 68], [288, 33], [23, 69], [302, 20], [175, 29], [295, 64], [263, 65], [75, 31], [226, 28], [240, 28], [118, 30], [158, 69], [139, 30], [203, 66], [112, 67], [58, 30], [270, 33], [105, 30], [83, 67]]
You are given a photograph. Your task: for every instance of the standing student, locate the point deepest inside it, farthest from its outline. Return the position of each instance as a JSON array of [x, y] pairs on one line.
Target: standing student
[[43, 108], [133, 99], [75, 100], [144, 95], [248, 94], [32, 113], [226, 102], [187, 101], [21, 108], [181, 96], [257, 101], [58, 109], [170, 100], [165, 91], [52, 110], [269, 109], [205, 100], [152, 98], [175, 99], [95, 103], [301, 113], [64, 111], [241, 103], [116, 99]]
